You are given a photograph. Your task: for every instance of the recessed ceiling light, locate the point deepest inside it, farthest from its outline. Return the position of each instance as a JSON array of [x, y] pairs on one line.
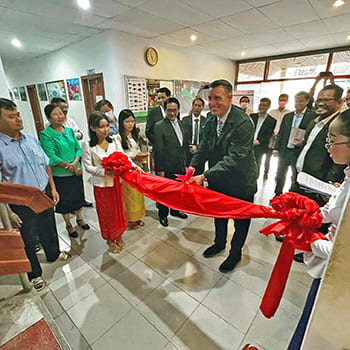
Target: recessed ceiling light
[[242, 53], [338, 3], [84, 4], [16, 43], [193, 37]]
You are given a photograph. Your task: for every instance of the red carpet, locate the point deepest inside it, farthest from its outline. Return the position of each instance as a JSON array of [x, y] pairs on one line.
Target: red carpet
[[37, 336]]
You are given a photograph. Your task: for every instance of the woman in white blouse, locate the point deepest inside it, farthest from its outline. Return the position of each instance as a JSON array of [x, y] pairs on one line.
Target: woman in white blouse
[[100, 146], [338, 146]]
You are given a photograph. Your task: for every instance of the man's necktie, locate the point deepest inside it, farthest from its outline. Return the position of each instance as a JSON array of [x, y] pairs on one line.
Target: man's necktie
[[219, 127], [196, 132]]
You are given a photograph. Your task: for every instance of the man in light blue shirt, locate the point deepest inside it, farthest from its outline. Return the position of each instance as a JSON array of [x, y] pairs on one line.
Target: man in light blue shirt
[[23, 161]]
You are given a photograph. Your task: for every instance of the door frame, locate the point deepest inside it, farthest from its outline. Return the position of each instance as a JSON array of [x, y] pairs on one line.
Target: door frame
[[35, 108], [86, 91]]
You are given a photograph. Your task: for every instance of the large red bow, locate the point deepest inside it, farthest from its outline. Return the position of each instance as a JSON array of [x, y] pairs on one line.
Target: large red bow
[[299, 216]]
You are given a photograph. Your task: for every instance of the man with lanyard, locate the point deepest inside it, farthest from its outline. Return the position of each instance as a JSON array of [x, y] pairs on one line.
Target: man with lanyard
[[314, 159], [23, 161]]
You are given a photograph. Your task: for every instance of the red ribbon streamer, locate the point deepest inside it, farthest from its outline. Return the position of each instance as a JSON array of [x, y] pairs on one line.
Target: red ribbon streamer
[[299, 216]]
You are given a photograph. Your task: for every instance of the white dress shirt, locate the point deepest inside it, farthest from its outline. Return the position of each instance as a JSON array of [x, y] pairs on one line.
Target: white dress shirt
[[194, 118], [259, 123], [92, 158]]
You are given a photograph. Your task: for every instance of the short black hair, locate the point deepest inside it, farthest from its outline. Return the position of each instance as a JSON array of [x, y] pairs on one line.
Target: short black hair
[[102, 103], [304, 94], [284, 96], [243, 98], [7, 104], [338, 91], [198, 99], [49, 108], [58, 100], [172, 100], [266, 99], [224, 83], [164, 90]]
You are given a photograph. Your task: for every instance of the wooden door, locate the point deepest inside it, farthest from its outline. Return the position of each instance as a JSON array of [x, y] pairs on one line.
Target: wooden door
[[93, 86], [36, 110]]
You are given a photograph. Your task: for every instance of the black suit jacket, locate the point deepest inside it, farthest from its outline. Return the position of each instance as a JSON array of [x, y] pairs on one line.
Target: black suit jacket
[[317, 161], [188, 132], [169, 155], [154, 115], [232, 167], [266, 130], [286, 126]]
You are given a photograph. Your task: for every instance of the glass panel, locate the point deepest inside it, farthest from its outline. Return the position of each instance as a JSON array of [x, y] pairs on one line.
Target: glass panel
[[298, 67], [341, 63], [273, 89], [251, 71]]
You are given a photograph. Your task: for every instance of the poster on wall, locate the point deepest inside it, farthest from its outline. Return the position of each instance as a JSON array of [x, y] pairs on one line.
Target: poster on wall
[[137, 94], [56, 89], [11, 95], [15, 93], [42, 92], [22, 93], [73, 89]]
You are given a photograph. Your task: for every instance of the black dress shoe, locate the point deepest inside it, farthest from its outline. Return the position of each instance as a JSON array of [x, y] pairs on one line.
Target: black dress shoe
[[87, 204], [230, 263], [164, 221], [279, 239], [179, 214], [299, 257], [212, 251]]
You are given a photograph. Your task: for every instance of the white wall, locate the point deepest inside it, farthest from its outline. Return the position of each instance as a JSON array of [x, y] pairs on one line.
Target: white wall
[[4, 92], [115, 54]]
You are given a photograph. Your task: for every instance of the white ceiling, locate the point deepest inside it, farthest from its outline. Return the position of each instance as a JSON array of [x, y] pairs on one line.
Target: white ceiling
[[224, 27]]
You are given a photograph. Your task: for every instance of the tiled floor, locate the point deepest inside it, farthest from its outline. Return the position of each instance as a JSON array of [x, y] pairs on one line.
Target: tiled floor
[[161, 293]]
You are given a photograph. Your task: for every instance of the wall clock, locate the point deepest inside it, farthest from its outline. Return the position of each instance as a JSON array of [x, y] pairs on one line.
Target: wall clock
[[151, 56]]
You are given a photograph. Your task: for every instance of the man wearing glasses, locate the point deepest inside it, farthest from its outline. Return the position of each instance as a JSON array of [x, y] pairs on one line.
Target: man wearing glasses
[[347, 99], [314, 158]]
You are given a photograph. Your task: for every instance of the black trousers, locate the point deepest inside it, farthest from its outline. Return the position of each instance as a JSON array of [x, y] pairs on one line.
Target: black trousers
[[239, 236], [288, 159], [259, 151], [42, 225]]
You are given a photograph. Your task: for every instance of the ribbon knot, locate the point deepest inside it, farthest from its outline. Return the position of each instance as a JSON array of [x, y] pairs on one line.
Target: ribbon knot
[[185, 178], [117, 162]]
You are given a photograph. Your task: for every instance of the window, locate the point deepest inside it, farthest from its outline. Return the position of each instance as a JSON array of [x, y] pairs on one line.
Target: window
[[251, 71], [341, 63], [298, 67]]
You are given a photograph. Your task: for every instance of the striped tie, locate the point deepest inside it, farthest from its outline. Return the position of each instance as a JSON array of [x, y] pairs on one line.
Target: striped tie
[[219, 127]]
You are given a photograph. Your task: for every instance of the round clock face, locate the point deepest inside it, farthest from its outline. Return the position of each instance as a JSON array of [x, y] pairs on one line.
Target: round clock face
[[151, 56]]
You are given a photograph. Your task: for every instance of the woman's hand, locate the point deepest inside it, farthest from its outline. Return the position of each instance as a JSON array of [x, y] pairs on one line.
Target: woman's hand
[[138, 169], [109, 173], [55, 196]]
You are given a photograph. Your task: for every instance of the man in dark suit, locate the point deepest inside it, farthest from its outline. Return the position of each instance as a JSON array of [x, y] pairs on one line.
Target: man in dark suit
[[227, 143], [169, 151], [264, 125], [288, 148], [193, 125], [156, 114]]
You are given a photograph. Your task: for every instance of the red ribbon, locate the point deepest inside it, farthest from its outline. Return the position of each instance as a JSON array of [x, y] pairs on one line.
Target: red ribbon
[[299, 216]]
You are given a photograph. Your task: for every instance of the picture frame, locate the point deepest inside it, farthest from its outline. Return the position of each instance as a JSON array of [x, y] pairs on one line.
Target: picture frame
[[15, 93], [56, 89], [22, 93], [42, 93], [74, 89]]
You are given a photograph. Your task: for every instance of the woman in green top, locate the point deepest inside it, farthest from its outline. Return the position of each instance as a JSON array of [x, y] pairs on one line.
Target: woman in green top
[[63, 150]]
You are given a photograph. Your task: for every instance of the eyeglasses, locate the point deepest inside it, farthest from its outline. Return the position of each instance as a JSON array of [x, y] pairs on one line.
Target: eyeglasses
[[324, 100], [330, 144]]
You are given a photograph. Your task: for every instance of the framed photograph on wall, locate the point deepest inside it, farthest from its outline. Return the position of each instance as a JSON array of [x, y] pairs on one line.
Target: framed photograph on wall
[[15, 93], [22, 93], [11, 95], [56, 89], [42, 92], [73, 89]]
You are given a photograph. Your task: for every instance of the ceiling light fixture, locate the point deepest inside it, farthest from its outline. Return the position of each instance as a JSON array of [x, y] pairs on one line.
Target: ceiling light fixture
[[348, 37], [84, 4], [242, 53], [338, 3], [193, 37], [15, 42]]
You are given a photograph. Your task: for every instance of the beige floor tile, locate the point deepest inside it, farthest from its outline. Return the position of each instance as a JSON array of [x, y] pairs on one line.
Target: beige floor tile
[[76, 285], [195, 279], [136, 282], [133, 332], [167, 308], [235, 304], [205, 330], [98, 312], [143, 245]]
